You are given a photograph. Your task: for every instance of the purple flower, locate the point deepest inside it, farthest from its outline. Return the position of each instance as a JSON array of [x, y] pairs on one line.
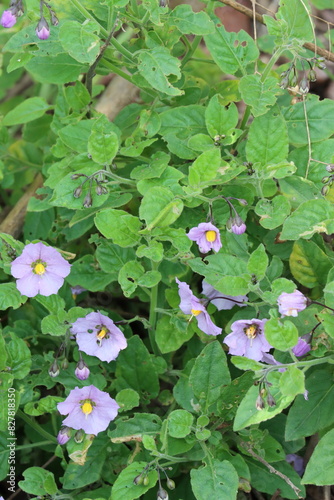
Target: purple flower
[[8, 19], [76, 290], [88, 409], [39, 269], [247, 339], [290, 304], [301, 348], [42, 29], [297, 462], [236, 225], [206, 236], [64, 435], [222, 301], [192, 305], [97, 335], [82, 371]]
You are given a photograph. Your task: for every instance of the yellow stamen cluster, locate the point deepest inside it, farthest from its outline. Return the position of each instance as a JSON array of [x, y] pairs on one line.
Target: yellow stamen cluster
[[39, 268], [195, 312], [87, 407], [251, 331], [211, 236], [102, 333]]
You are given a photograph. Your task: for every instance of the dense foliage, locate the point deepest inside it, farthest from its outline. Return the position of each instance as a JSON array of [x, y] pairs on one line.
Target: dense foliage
[[170, 294]]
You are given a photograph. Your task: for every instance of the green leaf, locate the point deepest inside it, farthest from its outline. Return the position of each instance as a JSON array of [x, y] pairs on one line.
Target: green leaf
[[112, 257], [320, 116], [281, 334], [135, 370], [309, 264], [103, 142], [171, 333], [10, 296], [19, 357], [85, 273], [54, 324], [160, 208], [155, 251], [136, 425], [219, 118], [231, 51], [79, 41], [273, 212], [314, 216], [268, 139], [38, 481], [180, 423], [155, 65], [57, 69], [258, 262], [3, 353], [246, 364], [159, 162], [124, 487], [297, 17], [53, 303], [260, 95], [26, 111], [320, 468], [44, 405], [220, 480], [119, 226], [209, 374], [307, 417], [127, 399], [76, 135], [189, 22], [129, 275], [205, 167], [292, 382]]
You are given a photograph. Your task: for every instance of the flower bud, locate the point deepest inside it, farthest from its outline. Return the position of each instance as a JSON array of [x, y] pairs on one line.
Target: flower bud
[[54, 19], [54, 369], [259, 403], [163, 3], [324, 180], [270, 400], [75, 176], [162, 494], [320, 62], [88, 201], [170, 484], [330, 167], [64, 435], [304, 86], [82, 371], [77, 192], [42, 29], [293, 81], [146, 481], [64, 364], [312, 76], [284, 83], [8, 19], [236, 225], [325, 190], [138, 479], [99, 189], [79, 436]]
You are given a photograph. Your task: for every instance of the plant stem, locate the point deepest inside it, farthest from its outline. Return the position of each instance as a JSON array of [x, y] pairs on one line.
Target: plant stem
[[308, 363], [34, 425], [270, 64], [153, 312], [28, 446], [191, 51]]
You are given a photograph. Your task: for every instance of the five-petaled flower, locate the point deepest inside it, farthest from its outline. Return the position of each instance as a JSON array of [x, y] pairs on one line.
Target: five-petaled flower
[[222, 301], [206, 236], [290, 304], [88, 409], [97, 335], [39, 269], [247, 339], [192, 305]]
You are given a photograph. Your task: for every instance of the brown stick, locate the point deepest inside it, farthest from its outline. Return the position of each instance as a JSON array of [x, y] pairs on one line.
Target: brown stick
[[248, 12], [13, 223]]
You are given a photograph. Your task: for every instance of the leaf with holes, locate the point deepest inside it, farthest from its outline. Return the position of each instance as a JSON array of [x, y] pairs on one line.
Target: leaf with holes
[[155, 65]]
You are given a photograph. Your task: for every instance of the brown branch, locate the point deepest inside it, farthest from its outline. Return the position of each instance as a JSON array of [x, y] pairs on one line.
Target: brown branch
[[271, 468], [13, 223], [248, 12]]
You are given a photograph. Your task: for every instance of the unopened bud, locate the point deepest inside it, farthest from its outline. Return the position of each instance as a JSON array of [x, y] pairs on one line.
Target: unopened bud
[[99, 190], [170, 484], [64, 435], [42, 29], [8, 18], [82, 371], [293, 81], [284, 83], [304, 86], [324, 180], [146, 481], [259, 403], [162, 494], [75, 176], [330, 167], [138, 479], [320, 62], [79, 436], [163, 3], [88, 201], [77, 192], [64, 364], [270, 400], [325, 190], [54, 19], [242, 202], [54, 369], [312, 76], [236, 225]]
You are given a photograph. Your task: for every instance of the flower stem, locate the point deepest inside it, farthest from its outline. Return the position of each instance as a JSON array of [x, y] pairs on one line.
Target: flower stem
[[34, 425], [299, 364], [153, 312]]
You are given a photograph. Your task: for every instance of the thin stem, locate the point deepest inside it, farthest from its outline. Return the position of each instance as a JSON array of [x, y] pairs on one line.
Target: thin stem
[[28, 446], [194, 46], [309, 363], [271, 63], [153, 312], [309, 146], [34, 425], [320, 304]]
